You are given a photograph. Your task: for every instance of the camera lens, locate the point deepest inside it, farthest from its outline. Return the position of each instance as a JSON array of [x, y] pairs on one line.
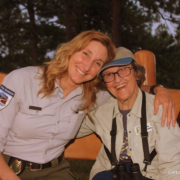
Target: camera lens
[[121, 169], [135, 171], [134, 167], [127, 176]]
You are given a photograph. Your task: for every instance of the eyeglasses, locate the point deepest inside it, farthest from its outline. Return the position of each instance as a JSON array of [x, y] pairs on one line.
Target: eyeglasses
[[123, 72]]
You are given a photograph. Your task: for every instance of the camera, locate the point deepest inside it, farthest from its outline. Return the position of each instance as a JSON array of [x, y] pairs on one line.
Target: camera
[[135, 172], [121, 173]]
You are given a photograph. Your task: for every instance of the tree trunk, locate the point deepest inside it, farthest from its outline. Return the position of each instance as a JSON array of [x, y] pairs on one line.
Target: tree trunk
[[69, 21], [117, 22], [34, 38]]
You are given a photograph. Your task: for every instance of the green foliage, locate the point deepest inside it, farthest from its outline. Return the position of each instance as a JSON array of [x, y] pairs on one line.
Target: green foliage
[[30, 29], [167, 52], [18, 34]]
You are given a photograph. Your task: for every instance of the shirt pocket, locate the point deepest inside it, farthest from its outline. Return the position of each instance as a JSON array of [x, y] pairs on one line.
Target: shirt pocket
[[30, 123], [138, 144], [37, 111]]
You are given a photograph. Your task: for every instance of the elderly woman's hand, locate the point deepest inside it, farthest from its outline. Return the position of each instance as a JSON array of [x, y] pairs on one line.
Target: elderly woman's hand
[[163, 97]]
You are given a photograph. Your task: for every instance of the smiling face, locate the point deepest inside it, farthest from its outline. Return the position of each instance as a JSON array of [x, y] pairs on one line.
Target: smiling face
[[124, 89], [85, 64]]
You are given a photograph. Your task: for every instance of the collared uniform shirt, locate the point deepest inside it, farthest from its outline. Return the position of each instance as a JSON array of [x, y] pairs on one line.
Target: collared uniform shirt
[[33, 128], [165, 166]]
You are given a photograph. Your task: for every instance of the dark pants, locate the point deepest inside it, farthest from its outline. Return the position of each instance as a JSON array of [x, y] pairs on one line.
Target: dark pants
[[107, 175], [58, 171]]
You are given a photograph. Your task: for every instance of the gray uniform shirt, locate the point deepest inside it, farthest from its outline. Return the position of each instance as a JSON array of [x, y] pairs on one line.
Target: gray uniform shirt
[[33, 128]]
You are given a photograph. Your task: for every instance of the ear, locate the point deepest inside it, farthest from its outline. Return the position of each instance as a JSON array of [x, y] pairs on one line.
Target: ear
[[105, 84], [137, 78]]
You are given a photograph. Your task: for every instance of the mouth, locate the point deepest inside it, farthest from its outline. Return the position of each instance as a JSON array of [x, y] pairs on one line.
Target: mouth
[[120, 86], [80, 71]]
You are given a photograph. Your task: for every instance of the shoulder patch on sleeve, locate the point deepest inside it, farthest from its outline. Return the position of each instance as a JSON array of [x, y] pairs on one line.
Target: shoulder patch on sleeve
[[5, 96]]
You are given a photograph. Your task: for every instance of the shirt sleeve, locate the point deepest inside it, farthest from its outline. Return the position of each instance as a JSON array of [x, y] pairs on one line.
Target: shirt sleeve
[[168, 150], [9, 104], [87, 127], [102, 97]]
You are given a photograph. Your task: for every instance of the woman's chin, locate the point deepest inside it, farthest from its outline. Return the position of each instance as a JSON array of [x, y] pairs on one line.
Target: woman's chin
[[80, 81]]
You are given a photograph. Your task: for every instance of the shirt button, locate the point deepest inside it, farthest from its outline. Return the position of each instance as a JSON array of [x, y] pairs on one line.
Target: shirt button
[[58, 122], [150, 176], [129, 131], [130, 149], [129, 115]]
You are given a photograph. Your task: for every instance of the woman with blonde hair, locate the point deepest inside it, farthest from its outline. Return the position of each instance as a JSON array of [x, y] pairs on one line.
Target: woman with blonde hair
[[43, 108]]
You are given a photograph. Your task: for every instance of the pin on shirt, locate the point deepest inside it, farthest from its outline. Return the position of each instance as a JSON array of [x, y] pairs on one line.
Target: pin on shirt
[[138, 128]]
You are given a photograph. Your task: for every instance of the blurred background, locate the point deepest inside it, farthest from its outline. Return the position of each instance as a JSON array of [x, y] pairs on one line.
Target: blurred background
[[30, 30]]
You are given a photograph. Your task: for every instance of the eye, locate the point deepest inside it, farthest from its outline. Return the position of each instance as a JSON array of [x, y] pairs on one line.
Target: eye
[[85, 53], [99, 64], [122, 69], [107, 75]]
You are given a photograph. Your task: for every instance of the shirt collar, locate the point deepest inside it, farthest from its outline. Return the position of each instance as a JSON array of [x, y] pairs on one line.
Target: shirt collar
[[76, 92], [136, 109]]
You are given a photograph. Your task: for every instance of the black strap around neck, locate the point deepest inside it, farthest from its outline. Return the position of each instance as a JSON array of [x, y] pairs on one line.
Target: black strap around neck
[[178, 119], [113, 139], [112, 155], [144, 134]]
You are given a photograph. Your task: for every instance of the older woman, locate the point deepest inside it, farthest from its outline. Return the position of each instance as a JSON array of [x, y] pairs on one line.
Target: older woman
[[123, 77]]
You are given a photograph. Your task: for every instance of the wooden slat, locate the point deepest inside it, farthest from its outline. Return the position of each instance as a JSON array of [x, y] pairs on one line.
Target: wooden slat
[[147, 59], [84, 148], [2, 75]]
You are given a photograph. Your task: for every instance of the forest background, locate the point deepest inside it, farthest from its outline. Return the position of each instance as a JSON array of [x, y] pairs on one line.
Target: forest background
[[31, 30]]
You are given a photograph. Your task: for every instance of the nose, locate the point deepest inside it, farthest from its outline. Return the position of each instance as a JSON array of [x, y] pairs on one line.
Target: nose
[[87, 66], [117, 78]]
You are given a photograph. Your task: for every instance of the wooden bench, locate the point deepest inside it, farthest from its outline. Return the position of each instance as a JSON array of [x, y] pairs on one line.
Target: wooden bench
[[88, 147]]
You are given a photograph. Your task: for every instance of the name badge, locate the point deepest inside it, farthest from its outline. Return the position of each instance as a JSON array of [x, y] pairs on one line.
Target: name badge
[[138, 128]]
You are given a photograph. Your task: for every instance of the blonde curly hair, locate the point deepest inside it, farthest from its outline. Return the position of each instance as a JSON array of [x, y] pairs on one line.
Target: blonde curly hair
[[58, 67]]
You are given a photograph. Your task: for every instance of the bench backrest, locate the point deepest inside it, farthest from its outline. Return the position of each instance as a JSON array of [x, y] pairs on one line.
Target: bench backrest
[[2, 75], [88, 147]]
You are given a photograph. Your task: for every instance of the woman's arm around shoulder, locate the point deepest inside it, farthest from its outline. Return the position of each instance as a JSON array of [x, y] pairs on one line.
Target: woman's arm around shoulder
[[163, 98], [87, 127]]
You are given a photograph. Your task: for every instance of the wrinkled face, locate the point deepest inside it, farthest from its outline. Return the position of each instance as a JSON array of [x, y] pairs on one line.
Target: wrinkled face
[[124, 89], [85, 64]]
